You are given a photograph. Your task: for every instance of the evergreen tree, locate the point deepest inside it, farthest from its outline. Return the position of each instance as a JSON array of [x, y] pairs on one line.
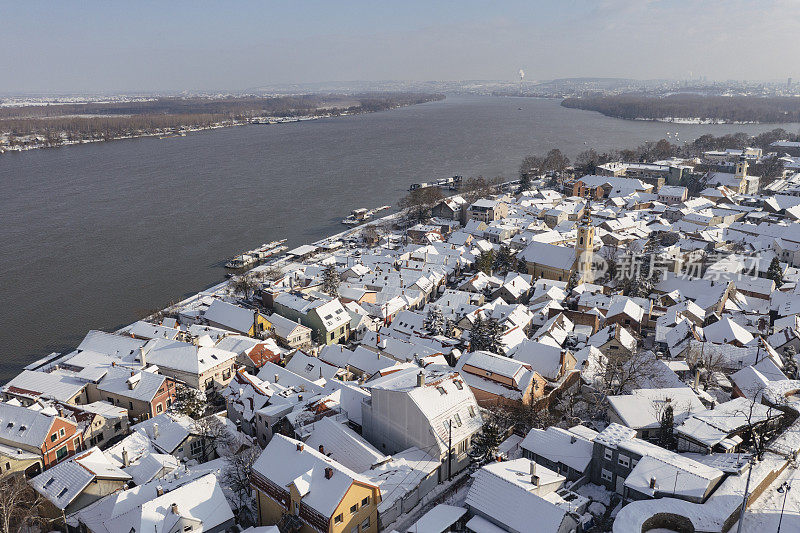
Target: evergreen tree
[[434, 321], [666, 435], [494, 336], [573, 281], [774, 272], [449, 328], [485, 262], [486, 442], [330, 281], [477, 335], [188, 401], [524, 182], [487, 335], [504, 259]]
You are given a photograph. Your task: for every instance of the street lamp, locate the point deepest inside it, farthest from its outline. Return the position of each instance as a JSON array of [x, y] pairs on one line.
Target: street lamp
[[783, 489]]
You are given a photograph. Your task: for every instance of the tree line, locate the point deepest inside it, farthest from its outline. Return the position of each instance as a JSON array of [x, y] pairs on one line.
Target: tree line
[[772, 109], [96, 120]]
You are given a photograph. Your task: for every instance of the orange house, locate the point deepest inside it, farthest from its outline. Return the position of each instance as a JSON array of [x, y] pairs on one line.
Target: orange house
[[52, 437]]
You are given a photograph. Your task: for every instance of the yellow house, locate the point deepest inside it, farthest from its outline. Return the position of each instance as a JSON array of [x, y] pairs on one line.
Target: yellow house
[[225, 315], [302, 490]]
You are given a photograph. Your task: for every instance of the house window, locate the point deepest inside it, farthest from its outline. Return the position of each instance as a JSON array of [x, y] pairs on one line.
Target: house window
[[365, 502], [196, 447], [61, 453], [441, 390], [606, 475], [471, 411], [159, 408], [61, 432], [365, 524], [226, 373], [459, 386], [354, 508], [187, 528], [457, 419], [54, 437], [625, 461], [609, 455], [118, 426], [634, 462], [338, 519]]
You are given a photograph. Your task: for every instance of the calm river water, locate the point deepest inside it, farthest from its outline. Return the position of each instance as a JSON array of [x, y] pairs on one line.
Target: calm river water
[[93, 235]]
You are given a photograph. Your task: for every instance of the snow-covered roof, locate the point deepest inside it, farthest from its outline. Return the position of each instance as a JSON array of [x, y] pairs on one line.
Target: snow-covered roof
[[643, 408], [503, 491], [22, 425], [344, 445], [287, 461], [65, 481], [137, 385], [438, 519], [561, 446]]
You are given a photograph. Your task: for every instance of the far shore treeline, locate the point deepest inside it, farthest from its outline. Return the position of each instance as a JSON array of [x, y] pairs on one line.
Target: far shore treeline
[[105, 121], [764, 109]]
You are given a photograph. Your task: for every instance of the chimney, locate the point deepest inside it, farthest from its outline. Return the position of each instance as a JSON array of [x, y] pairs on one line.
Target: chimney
[[652, 482], [174, 508], [421, 379], [328, 472], [322, 449], [299, 446], [277, 377], [142, 357], [533, 468], [125, 460], [159, 490], [155, 431]]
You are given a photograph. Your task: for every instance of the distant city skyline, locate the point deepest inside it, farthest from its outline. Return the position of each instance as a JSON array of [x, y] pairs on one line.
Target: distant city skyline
[[148, 46]]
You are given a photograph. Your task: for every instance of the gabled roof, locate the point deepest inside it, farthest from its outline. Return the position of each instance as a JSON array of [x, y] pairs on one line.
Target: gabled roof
[[344, 445], [22, 425], [560, 446], [65, 481], [496, 493], [137, 385], [287, 461]]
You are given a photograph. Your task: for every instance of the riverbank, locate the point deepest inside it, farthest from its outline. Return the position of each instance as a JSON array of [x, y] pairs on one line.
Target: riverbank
[[35, 127]]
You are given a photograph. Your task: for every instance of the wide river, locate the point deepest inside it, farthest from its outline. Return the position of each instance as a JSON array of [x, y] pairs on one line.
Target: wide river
[[94, 235]]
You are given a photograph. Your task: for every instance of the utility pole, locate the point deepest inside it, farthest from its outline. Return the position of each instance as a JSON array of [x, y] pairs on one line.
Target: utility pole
[[449, 450]]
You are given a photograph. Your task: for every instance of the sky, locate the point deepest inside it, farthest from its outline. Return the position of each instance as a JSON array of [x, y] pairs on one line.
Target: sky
[[115, 46]]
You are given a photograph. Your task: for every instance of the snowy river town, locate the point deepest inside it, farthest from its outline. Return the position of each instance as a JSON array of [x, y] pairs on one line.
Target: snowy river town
[[604, 345]]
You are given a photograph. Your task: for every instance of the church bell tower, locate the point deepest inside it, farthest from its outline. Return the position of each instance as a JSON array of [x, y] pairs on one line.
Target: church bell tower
[[584, 247]]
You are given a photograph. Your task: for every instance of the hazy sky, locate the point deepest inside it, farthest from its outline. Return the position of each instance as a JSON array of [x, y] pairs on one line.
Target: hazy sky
[[171, 45]]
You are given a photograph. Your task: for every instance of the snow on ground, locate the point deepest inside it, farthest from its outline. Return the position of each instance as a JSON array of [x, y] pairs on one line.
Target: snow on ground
[[764, 514], [596, 493]]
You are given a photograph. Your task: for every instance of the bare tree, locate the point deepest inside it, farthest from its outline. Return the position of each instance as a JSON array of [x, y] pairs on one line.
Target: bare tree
[[245, 285], [619, 372], [236, 476], [21, 507], [419, 202], [212, 434]]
